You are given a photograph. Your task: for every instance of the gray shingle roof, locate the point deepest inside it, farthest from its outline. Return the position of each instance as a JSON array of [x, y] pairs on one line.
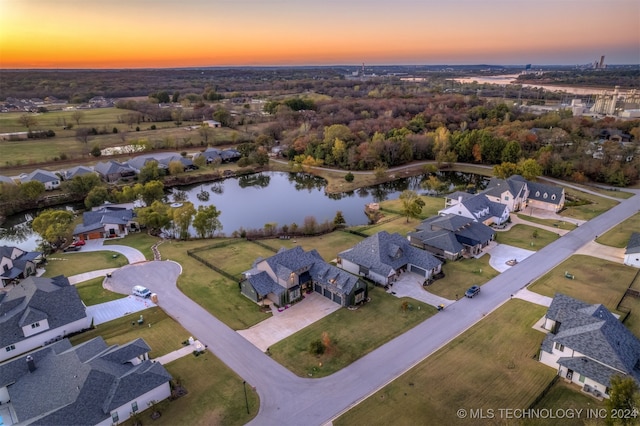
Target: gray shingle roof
[[111, 167], [594, 332], [7, 180], [106, 215], [41, 176], [383, 252], [634, 244], [77, 171], [81, 385], [514, 184], [547, 193], [37, 297], [296, 260]]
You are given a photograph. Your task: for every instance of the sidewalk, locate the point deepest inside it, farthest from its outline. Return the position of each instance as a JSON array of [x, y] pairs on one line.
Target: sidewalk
[[75, 279], [186, 350], [532, 297]]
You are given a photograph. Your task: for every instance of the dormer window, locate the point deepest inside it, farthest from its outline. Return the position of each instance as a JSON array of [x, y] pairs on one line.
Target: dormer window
[[545, 196], [553, 197], [35, 325], [537, 193]]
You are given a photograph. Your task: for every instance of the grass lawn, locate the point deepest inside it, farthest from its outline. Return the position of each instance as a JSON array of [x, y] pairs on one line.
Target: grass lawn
[[564, 396], [431, 206], [139, 240], [92, 293], [348, 344], [523, 236], [596, 205], [391, 223], [235, 258], [74, 263], [165, 334], [620, 234], [462, 274], [490, 366], [328, 245], [596, 280], [560, 224], [216, 395], [218, 295], [632, 322]]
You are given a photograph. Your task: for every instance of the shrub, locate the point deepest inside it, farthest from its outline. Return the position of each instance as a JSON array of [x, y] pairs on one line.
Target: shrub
[[316, 347], [349, 177]]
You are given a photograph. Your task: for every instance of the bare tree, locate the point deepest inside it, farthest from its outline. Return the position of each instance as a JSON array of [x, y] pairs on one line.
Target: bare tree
[[27, 121], [77, 116], [83, 135]]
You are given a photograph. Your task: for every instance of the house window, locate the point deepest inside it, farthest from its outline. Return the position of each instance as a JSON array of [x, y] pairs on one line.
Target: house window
[[114, 417], [134, 406], [10, 348], [35, 325], [560, 347], [581, 378], [506, 198]]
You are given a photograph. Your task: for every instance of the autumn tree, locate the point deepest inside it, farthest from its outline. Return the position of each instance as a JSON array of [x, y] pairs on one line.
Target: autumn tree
[[412, 204], [504, 170], [182, 218], [176, 167], [155, 217], [152, 191], [529, 169]]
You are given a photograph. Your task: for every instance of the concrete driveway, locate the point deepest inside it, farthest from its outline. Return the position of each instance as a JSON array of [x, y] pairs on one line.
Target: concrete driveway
[[108, 311], [502, 253], [283, 324], [410, 285], [133, 255]]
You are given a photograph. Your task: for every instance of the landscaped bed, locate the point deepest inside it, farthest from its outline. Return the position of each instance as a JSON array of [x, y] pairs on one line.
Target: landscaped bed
[[490, 366]]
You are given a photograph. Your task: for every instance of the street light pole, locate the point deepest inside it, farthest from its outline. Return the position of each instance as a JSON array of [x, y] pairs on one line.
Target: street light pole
[[246, 400]]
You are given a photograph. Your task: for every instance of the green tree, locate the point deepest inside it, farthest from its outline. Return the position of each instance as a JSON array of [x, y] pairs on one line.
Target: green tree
[[96, 196], [432, 183], [176, 167], [150, 171], [529, 169], [82, 184], [511, 152], [155, 217], [152, 191], [412, 204], [223, 116], [349, 177], [53, 226], [31, 190], [206, 221], [338, 220], [624, 397], [182, 218], [504, 170], [96, 151]]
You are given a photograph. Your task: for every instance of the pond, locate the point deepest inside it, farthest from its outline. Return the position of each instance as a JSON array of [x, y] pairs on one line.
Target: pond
[[251, 201]]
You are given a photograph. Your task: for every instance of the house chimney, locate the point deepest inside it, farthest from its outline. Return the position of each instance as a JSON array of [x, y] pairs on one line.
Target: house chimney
[[31, 364]]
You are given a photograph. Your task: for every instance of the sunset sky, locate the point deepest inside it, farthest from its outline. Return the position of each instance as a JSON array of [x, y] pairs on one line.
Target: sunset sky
[[187, 33]]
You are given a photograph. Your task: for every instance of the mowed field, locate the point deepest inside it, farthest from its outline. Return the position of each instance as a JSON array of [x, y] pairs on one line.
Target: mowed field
[[595, 280], [490, 366], [64, 144]]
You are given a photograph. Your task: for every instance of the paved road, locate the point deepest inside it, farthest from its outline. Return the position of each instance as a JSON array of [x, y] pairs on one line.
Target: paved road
[[286, 399]]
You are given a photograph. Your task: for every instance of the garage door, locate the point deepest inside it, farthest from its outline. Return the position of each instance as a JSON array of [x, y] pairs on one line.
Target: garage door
[[418, 271], [337, 299]]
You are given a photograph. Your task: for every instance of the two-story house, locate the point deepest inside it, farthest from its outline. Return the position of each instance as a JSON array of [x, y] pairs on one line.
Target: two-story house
[[284, 278], [16, 264]]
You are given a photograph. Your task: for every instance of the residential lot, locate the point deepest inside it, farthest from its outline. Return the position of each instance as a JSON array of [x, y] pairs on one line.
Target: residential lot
[[490, 366]]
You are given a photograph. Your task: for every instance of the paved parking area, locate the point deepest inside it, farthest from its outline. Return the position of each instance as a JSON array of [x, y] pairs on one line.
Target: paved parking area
[[108, 311]]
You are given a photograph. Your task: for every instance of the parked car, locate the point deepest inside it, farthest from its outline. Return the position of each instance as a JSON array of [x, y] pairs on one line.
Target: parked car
[[78, 243], [141, 291], [71, 248], [472, 291]]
